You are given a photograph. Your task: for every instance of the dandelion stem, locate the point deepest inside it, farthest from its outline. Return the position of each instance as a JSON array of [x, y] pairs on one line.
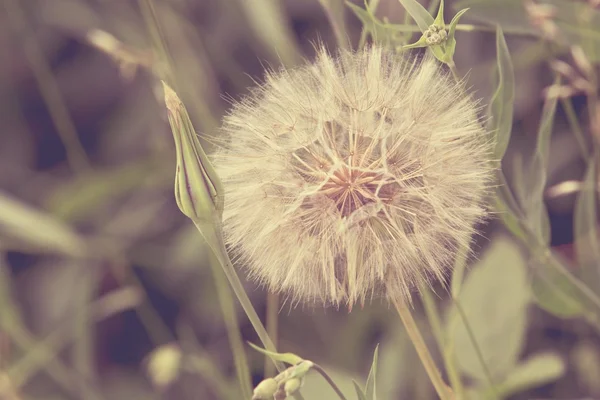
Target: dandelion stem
[[423, 352], [233, 329], [220, 253]]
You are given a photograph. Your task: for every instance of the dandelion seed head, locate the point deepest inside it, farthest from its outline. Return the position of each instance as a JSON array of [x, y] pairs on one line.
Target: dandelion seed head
[[356, 176]]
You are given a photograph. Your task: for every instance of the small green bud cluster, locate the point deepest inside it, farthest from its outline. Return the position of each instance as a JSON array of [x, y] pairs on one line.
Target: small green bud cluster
[[435, 34], [283, 385]]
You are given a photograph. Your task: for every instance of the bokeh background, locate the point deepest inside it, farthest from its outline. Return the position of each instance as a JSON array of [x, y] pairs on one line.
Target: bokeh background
[[98, 266]]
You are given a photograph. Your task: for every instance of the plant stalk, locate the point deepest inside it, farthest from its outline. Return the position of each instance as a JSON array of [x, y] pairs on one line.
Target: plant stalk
[[418, 342]]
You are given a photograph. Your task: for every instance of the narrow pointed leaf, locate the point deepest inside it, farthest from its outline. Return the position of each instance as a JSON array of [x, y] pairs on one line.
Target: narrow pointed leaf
[[439, 19], [421, 16], [360, 394], [38, 229], [451, 42], [587, 245], [371, 385], [532, 192], [288, 358], [501, 105]]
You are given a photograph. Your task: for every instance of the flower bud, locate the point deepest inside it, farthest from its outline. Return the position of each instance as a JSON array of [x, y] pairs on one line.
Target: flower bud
[[197, 187], [163, 365], [291, 386], [265, 390]]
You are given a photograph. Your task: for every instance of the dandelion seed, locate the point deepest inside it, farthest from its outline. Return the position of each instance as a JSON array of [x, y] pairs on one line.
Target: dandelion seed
[[355, 176]]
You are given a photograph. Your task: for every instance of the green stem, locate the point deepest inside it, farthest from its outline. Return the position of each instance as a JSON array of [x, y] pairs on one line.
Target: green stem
[[217, 246], [272, 327], [422, 351], [233, 330], [222, 256], [330, 381]]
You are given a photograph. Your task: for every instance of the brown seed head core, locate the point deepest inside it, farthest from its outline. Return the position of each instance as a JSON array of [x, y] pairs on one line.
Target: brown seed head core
[[350, 189]]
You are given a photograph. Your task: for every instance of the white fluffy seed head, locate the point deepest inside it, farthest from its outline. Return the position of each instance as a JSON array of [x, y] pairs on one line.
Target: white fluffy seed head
[[357, 175]]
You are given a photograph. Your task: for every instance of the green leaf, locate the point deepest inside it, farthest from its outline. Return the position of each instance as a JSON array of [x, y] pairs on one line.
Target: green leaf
[[371, 386], [500, 109], [587, 245], [450, 45], [534, 372], [421, 16], [530, 181], [494, 299], [553, 291], [510, 220], [360, 394], [289, 358], [439, 18], [38, 229], [422, 42]]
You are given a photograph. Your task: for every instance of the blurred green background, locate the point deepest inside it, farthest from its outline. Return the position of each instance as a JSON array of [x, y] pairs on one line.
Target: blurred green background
[[99, 270]]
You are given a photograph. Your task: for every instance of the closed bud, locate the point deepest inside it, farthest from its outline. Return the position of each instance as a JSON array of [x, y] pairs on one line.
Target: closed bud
[[163, 365], [291, 386], [197, 187], [265, 390]]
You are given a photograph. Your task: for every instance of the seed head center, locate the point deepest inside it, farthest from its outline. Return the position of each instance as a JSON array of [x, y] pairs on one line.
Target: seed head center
[[350, 189]]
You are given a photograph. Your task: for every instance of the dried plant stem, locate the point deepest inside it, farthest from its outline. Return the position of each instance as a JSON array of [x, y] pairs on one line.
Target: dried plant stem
[[414, 334], [272, 327]]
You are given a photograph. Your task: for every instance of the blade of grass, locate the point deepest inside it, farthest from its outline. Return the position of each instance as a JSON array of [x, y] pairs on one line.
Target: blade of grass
[[49, 88], [272, 328]]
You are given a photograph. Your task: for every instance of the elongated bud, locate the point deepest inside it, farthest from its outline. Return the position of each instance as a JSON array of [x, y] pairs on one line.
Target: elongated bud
[[198, 189], [265, 390]]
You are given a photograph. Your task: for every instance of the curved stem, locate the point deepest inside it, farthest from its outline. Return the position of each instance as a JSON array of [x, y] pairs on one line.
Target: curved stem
[[417, 340], [337, 390], [233, 329], [220, 252]]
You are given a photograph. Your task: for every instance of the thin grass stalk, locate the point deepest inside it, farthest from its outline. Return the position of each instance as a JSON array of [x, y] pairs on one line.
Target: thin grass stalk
[[272, 327], [49, 89], [418, 342]]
